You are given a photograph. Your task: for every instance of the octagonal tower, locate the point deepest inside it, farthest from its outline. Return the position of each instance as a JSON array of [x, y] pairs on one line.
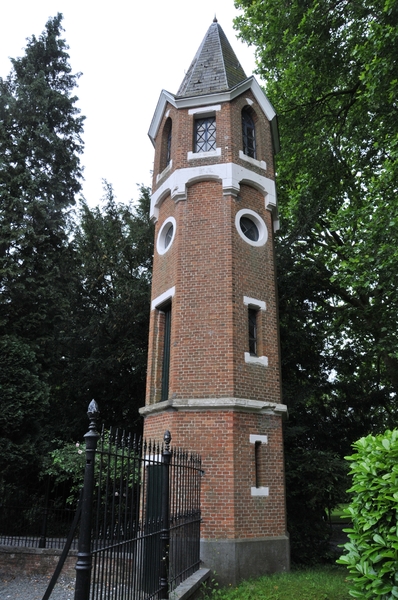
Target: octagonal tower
[[214, 359]]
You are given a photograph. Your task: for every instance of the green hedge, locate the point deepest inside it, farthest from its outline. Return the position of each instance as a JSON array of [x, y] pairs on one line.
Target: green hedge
[[372, 551]]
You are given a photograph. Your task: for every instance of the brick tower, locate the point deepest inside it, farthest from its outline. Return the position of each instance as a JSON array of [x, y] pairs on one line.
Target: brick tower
[[214, 365]]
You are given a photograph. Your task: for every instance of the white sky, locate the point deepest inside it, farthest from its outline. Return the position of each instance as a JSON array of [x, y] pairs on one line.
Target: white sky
[[127, 53]]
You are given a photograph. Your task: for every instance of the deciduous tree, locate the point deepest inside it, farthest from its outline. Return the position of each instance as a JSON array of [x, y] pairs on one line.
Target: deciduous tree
[[330, 71]]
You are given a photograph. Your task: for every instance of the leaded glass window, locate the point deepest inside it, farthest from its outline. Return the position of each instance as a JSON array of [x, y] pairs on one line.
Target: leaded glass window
[[205, 134], [249, 133]]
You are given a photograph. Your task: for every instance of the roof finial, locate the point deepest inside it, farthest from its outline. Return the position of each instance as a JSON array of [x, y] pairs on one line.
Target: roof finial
[[215, 19]]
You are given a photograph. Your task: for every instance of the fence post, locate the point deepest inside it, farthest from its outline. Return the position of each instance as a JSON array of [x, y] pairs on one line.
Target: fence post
[[83, 563], [165, 533], [43, 532]]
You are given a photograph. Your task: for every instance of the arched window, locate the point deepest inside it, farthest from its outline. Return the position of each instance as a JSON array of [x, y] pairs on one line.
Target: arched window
[[166, 145], [248, 132]]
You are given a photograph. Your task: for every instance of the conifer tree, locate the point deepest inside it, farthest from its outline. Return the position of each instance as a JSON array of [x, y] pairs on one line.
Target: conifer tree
[[40, 175], [114, 246]]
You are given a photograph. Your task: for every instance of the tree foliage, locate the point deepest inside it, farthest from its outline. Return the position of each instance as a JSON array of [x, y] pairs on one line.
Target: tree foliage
[[330, 69], [74, 286], [114, 246], [330, 72], [40, 173]]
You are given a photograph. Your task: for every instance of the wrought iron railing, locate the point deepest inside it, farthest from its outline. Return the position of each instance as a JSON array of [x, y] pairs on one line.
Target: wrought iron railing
[[138, 519], [144, 505], [37, 518]]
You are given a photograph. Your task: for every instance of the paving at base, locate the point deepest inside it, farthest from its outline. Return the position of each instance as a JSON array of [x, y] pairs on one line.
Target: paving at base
[[34, 587]]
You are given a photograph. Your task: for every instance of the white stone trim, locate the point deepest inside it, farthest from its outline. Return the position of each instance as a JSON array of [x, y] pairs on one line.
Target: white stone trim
[[253, 161], [206, 404], [260, 304], [160, 247], [260, 491], [263, 439], [202, 155], [259, 221], [210, 100], [204, 109], [231, 176], [256, 360], [164, 172], [163, 298]]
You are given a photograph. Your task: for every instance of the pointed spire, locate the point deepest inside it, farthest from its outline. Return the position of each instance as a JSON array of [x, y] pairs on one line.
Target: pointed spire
[[215, 67]]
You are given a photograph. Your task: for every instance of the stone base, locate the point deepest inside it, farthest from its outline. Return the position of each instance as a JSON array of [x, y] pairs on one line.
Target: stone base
[[234, 560]]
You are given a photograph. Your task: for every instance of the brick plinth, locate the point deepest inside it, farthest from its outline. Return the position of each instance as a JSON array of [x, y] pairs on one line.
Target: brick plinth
[[222, 437]]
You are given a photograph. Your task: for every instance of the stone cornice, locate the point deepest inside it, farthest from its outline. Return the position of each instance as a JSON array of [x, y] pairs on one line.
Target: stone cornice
[[231, 175], [215, 404], [191, 102]]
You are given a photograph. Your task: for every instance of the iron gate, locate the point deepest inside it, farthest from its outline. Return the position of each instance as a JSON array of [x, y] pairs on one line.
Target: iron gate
[[140, 525]]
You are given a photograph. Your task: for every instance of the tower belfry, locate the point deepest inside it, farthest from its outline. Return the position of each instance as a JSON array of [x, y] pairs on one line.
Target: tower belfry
[[214, 361]]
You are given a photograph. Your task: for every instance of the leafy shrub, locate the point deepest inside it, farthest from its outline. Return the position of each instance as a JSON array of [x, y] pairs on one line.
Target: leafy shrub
[[116, 460], [372, 552], [67, 463]]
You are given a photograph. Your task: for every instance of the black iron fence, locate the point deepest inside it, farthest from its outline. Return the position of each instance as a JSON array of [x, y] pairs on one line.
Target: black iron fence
[[37, 518], [140, 525], [137, 521]]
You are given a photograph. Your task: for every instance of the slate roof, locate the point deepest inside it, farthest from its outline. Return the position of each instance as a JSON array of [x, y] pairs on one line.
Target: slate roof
[[215, 67]]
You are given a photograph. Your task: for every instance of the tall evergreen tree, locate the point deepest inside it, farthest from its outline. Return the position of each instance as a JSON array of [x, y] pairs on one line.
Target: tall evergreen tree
[[114, 247], [40, 174]]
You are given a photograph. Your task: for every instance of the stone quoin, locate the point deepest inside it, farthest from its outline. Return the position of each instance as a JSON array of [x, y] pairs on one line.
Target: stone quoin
[[214, 359]]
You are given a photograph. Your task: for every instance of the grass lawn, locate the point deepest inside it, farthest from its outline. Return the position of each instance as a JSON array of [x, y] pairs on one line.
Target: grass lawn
[[322, 583]]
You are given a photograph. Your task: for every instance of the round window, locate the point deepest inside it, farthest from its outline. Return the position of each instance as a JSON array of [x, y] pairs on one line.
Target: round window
[[169, 235], [251, 227], [166, 235]]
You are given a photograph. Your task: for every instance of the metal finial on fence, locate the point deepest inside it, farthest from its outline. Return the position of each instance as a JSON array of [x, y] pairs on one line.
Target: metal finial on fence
[[167, 440], [93, 413]]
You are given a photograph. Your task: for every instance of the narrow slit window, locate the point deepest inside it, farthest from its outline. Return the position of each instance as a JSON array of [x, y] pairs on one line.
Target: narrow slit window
[[257, 463], [166, 354], [252, 314], [205, 134]]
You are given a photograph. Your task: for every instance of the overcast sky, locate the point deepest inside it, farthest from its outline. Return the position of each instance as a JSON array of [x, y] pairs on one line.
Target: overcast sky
[[127, 53]]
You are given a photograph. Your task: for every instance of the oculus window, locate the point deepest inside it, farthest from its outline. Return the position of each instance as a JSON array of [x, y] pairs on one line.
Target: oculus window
[[251, 227], [166, 235]]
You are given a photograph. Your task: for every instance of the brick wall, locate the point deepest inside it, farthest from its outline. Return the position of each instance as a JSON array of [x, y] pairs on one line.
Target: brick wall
[[211, 269], [228, 138], [16, 560], [228, 459]]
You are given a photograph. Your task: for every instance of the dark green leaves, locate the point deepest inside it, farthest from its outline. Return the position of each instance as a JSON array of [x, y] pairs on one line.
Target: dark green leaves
[[371, 555]]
